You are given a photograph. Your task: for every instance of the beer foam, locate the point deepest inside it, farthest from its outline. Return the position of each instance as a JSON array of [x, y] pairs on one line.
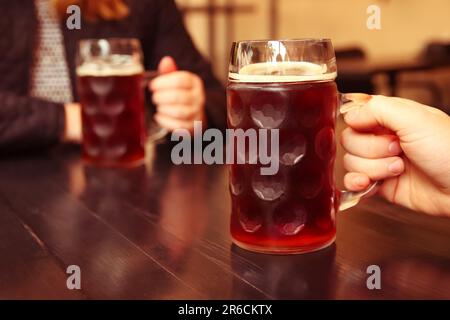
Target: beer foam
[[283, 72], [116, 65]]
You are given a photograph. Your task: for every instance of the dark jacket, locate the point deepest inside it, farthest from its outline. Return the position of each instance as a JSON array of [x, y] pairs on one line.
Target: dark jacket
[[32, 123]]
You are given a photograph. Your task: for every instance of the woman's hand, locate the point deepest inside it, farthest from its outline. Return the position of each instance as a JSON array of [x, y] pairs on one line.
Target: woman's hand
[[404, 143], [179, 97]]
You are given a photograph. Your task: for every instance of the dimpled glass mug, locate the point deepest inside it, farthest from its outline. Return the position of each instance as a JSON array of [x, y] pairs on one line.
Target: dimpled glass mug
[[287, 85], [111, 85]]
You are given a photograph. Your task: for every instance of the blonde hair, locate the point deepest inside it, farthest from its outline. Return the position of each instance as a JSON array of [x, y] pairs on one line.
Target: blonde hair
[[93, 10]]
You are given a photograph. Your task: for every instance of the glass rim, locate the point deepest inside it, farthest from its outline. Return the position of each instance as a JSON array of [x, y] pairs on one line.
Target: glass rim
[[112, 39], [95, 51], [293, 40], [312, 58]]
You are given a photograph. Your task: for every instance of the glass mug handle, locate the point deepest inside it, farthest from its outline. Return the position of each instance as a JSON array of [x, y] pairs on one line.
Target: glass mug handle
[[155, 132], [350, 199]]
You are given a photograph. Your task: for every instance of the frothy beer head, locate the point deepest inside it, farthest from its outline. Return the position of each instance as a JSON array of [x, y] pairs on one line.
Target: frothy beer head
[[112, 66], [283, 72]]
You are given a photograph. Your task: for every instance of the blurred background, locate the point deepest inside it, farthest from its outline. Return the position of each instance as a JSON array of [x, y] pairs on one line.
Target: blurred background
[[409, 56]]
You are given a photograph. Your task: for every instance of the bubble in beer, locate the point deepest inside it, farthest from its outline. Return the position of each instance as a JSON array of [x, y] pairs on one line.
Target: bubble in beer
[[269, 188]]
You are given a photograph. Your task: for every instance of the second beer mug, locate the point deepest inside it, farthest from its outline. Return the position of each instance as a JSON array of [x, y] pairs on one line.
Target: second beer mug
[[111, 86], [289, 86]]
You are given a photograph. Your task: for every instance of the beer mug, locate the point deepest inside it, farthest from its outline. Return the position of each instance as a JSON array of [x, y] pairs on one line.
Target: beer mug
[[111, 81], [289, 86]]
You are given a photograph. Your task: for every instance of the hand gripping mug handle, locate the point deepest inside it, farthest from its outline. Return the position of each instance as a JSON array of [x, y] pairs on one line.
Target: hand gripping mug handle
[[350, 199], [155, 133]]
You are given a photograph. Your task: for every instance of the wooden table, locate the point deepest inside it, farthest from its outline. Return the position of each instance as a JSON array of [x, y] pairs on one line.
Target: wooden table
[[161, 232]]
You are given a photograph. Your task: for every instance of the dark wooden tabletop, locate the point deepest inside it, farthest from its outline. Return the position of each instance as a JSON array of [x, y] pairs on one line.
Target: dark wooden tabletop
[[161, 232]]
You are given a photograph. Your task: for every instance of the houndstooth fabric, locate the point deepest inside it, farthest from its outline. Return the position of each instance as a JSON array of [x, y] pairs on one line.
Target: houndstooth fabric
[[50, 78]]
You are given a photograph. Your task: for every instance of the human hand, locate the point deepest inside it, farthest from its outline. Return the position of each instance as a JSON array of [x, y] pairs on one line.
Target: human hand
[[179, 97], [404, 143]]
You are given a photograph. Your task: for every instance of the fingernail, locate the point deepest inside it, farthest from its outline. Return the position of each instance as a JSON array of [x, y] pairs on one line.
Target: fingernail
[[394, 148], [396, 167]]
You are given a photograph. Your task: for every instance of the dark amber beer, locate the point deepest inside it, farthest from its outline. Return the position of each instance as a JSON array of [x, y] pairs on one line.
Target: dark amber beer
[[113, 116], [296, 207]]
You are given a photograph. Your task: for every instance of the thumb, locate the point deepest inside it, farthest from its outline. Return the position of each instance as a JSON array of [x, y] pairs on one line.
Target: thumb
[[167, 65], [396, 114]]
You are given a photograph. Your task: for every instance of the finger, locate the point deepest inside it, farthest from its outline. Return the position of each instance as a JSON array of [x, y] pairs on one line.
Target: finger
[[173, 124], [355, 181], [176, 96], [369, 145], [180, 112], [394, 114], [174, 80], [167, 65], [375, 169]]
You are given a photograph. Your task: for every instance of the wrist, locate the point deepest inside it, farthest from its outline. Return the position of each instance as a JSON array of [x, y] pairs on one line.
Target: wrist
[[72, 131]]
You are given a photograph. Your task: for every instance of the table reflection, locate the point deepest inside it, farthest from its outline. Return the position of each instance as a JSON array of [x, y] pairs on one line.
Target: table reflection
[[305, 276], [159, 208]]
